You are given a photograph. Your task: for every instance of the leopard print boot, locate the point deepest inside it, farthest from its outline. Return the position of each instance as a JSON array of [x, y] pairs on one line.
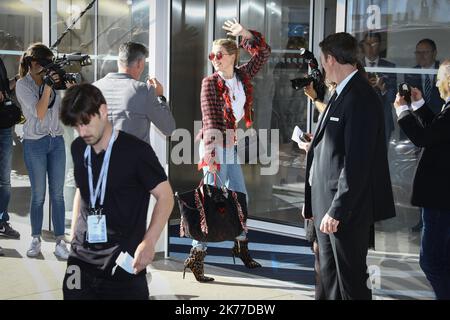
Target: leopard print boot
[[240, 250], [195, 263]]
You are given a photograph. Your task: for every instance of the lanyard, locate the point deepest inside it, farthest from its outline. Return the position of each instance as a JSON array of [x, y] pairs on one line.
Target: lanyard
[[101, 183]]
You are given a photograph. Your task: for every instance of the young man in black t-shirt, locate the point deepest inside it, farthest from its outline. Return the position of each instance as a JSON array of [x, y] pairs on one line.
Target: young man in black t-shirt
[[115, 174]]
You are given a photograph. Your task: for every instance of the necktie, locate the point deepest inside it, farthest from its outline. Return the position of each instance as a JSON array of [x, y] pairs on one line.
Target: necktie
[[427, 89], [372, 64]]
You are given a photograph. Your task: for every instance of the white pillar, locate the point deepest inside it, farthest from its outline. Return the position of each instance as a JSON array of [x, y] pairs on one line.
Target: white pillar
[[49, 7], [159, 67]]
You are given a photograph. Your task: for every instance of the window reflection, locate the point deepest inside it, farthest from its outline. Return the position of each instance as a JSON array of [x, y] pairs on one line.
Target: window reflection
[[286, 26], [20, 25], [401, 41], [118, 22]]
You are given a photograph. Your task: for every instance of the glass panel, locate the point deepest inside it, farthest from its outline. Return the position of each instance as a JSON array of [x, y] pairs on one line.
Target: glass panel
[[20, 25], [390, 34], [79, 39], [81, 36], [120, 21], [286, 26], [224, 10], [188, 35]]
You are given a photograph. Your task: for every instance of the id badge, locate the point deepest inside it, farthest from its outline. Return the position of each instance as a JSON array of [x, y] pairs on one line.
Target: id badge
[[96, 229]]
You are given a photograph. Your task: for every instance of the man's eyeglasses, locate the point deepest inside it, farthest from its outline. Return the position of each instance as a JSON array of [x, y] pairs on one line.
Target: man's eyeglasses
[[219, 55]]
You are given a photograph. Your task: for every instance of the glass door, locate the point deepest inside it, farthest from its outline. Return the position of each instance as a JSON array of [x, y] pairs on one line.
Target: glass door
[[406, 40], [286, 25]]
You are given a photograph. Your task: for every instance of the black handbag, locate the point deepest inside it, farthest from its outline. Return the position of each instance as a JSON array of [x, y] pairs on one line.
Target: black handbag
[[212, 214], [10, 114]]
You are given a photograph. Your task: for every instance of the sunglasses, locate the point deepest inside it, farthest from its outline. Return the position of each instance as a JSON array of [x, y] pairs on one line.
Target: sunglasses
[[219, 55]]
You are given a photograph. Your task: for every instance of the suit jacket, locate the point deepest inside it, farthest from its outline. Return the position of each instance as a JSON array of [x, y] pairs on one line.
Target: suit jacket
[[431, 186], [415, 80], [213, 101], [351, 179]]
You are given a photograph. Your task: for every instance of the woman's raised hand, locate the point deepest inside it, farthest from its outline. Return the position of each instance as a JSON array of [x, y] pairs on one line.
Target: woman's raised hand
[[235, 29]]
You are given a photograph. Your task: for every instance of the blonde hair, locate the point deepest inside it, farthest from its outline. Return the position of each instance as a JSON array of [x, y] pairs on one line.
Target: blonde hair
[[446, 67], [230, 47], [444, 81]]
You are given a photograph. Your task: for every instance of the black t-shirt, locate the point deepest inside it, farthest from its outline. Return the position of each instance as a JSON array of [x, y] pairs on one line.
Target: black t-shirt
[[134, 170]]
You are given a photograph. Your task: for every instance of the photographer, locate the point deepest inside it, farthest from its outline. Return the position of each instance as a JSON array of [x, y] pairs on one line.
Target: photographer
[[44, 150], [431, 185], [134, 105], [6, 143]]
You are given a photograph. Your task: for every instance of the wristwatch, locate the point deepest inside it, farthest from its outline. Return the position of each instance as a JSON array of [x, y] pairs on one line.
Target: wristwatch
[[162, 99]]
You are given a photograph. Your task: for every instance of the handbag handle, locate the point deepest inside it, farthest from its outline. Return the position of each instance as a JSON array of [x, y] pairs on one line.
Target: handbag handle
[[222, 187]]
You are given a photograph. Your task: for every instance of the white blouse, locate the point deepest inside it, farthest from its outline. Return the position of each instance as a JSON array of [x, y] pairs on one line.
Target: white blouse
[[237, 97]]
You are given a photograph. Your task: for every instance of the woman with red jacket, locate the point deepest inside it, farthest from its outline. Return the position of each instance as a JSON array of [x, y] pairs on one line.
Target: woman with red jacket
[[226, 99]]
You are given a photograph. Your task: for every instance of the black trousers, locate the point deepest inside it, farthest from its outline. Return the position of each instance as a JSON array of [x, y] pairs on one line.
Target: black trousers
[[85, 283], [343, 266]]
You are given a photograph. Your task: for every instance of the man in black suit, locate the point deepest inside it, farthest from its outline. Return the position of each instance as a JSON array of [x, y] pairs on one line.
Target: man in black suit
[[385, 84], [426, 52], [347, 176], [431, 186]]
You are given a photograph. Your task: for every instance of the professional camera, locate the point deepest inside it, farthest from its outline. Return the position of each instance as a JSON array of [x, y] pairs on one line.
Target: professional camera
[[58, 66], [404, 90], [314, 75]]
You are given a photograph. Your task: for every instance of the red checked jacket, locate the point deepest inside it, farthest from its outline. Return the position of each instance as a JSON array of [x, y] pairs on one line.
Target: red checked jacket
[[217, 113]]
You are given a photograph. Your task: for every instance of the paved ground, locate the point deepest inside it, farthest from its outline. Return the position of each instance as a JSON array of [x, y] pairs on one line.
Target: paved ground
[[289, 279]]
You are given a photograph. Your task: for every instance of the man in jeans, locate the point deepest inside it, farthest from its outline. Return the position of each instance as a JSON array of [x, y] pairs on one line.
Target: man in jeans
[[115, 173], [6, 143]]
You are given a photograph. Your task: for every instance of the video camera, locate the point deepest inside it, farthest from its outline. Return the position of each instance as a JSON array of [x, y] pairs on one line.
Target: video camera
[[58, 66], [314, 75], [404, 90]]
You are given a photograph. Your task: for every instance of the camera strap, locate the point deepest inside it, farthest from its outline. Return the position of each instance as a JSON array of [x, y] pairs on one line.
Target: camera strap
[[52, 102]]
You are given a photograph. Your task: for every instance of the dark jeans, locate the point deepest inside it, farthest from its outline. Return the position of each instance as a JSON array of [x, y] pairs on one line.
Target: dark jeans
[[435, 250], [6, 144], [94, 285]]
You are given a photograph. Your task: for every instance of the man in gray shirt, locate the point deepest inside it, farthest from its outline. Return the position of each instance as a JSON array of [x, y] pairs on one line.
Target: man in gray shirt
[[133, 104]]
